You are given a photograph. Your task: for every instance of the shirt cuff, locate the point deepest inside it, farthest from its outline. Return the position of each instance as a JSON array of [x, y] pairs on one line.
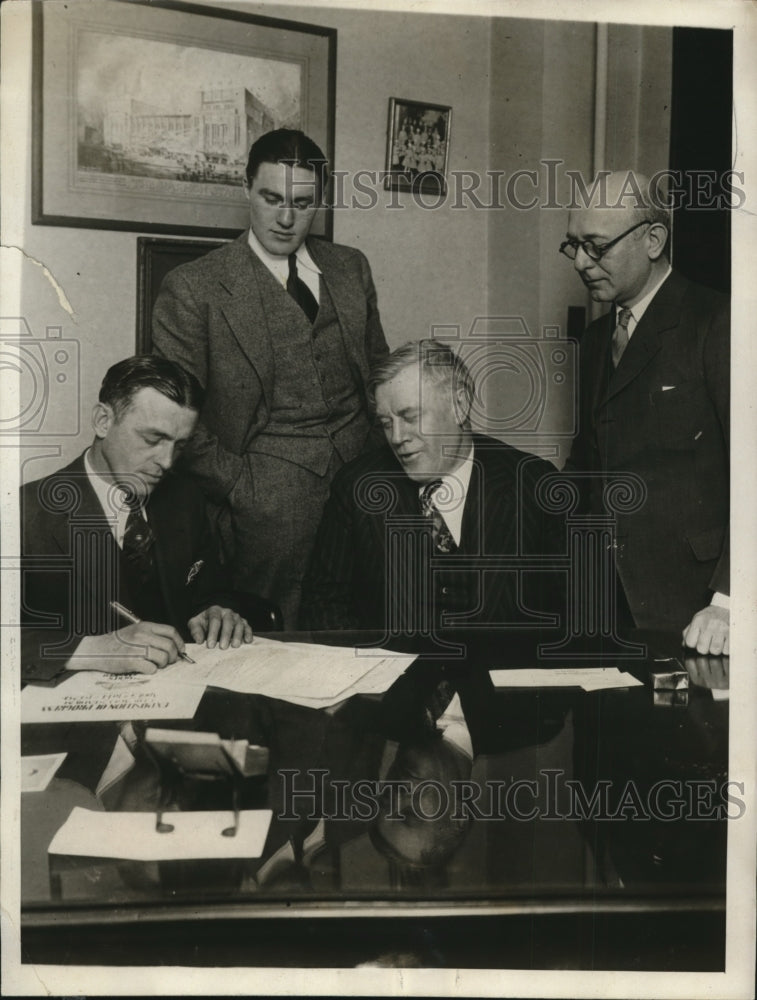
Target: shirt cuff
[[720, 600]]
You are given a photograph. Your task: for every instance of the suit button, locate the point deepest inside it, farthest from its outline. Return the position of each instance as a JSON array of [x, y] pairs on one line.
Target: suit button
[[445, 591]]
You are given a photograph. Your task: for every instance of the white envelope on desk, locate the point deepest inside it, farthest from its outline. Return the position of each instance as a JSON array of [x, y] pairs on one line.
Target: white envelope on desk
[[588, 678], [131, 836]]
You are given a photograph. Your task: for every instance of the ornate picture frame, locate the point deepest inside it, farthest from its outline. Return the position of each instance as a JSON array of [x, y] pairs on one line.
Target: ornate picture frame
[[144, 112]]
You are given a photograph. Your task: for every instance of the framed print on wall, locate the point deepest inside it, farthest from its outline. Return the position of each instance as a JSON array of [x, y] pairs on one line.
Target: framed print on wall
[[144, 113], [417, 148]]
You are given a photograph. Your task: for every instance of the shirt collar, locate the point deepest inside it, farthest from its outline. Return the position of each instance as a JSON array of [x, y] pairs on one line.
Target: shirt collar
[[450, 502], [111, 497], [639, 308], [456, 483], [277, 264]]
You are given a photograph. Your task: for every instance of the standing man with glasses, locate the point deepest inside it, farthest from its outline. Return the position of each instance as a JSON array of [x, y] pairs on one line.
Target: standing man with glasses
[[281, 330], [654, 401]]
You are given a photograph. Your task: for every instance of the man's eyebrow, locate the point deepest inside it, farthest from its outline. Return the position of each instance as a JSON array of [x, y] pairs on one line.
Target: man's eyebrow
[[156, 432]]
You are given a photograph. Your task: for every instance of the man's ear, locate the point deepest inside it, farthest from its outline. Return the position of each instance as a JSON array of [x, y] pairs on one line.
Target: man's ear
[[462, 406], [103, 419], [657, 234]]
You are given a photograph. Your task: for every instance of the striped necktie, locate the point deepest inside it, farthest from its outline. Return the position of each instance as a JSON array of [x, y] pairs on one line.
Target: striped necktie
[[620, 337]]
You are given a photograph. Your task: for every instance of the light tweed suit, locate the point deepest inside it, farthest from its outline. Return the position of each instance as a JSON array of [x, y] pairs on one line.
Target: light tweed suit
[[285, 401]]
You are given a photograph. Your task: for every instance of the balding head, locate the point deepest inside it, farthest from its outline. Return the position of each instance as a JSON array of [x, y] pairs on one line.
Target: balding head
[[623, 207]]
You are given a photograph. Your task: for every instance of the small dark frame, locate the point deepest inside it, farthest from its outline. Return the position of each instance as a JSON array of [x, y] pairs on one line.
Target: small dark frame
[[417, 148], [156, 256]]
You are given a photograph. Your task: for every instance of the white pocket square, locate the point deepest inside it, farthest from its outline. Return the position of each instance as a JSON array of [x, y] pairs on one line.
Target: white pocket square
[[194, 570], [667, 388]]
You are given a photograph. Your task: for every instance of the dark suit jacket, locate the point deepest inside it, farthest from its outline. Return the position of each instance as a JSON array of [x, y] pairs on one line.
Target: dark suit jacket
[[663, 415], [70, 564], [217, 320], [350, 574]]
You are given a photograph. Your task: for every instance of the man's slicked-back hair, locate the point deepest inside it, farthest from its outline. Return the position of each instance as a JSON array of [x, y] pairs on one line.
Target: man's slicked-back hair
[[437, 362], [146, 371], [290, 146]]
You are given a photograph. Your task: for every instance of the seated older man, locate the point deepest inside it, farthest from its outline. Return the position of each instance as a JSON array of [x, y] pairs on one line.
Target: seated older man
[[411, 533]]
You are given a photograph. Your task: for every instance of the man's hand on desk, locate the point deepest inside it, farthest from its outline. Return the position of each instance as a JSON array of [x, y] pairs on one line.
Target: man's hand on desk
[[707, 632], [141, 648], [708, 671], [219, 625]]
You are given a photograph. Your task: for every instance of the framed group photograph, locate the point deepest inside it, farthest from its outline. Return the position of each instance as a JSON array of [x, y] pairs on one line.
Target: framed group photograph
[[145, 112], [417, 150]]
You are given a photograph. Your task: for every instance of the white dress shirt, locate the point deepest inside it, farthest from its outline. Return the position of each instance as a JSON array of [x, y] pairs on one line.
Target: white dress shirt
[[112, 499], [449, 499], [307, 270], [637, 309]]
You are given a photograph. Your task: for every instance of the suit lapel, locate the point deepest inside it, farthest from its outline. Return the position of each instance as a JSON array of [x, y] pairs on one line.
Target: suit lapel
[[474, 519], [489, 511], [489, 518], [248, 310], [173, 549], [86, 507], [87, 516], [661, 315], [343, 291]]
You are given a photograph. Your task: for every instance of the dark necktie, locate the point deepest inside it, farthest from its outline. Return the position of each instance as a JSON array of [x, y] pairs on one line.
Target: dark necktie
[[138, 546], [620, 337], [440, 533], [300, 291], [437, 704]]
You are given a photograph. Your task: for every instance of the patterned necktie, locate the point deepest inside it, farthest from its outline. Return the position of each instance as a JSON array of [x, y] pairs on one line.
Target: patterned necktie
[[300, 291], [440, 533], [139, 542], [620, 337]]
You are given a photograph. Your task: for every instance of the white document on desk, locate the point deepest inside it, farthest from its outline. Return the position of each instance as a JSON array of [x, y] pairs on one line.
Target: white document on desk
[[588, 678], [300, 672], [37, 772], [92, 696], [131, 836]]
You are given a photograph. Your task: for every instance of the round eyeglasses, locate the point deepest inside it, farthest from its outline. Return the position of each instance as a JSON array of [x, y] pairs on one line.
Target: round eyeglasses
[[595, 251]]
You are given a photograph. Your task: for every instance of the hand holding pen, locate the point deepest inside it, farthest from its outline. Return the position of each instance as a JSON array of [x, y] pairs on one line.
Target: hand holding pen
[[162, 637]]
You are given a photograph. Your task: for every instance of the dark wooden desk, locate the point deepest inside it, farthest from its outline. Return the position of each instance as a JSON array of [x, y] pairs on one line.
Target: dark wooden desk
[[538, 877]]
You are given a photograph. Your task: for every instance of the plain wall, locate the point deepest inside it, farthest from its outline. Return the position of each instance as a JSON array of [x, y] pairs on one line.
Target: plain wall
[[542, 118]]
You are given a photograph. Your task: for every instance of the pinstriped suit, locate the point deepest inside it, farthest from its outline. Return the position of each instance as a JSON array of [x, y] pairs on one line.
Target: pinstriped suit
[[359, 579]]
